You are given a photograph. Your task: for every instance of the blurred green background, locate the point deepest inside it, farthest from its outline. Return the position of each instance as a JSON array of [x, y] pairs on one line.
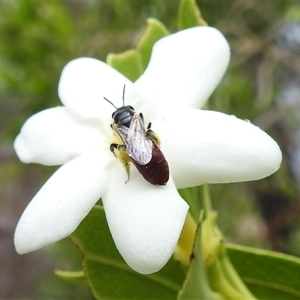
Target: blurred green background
[[37, 38]]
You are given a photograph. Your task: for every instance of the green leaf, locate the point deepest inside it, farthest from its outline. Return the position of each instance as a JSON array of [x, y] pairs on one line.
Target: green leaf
[[155, 30], [198, 198], [107, 273], [127, 63], [132, 63], [189, 15], [196, 285], [73, 277], [267, 274], [292, 13], [192, 195]]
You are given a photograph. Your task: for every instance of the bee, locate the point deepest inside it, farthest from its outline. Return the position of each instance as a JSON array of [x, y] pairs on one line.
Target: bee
[[139, 145]]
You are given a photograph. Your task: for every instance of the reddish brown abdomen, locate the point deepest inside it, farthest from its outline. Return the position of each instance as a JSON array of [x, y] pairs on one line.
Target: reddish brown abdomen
[[157, 170]]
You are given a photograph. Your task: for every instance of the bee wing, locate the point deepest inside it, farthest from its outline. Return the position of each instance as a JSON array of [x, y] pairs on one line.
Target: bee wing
[[122, 131], [138, 144]]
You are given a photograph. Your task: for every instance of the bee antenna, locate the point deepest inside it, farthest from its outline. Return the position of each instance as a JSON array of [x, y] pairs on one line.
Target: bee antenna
[[124, 94], [110, 102]]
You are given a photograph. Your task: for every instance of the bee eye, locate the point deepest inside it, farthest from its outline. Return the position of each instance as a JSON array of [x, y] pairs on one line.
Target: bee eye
[[131, 110]]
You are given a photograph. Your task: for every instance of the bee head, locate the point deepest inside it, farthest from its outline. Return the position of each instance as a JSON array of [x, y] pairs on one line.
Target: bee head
[[123, 115]]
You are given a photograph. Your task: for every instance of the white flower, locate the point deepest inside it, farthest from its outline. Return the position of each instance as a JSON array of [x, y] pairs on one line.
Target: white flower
[[200, 147]]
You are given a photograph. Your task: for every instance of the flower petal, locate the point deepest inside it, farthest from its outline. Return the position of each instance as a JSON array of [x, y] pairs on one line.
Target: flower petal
[[185, 68], [83, 84], [54, 136], [145, 220], [62, 203], [212, 147]]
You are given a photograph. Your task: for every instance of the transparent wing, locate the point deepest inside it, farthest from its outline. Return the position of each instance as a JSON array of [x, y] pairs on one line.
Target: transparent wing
[[122, 131], [138, 144]]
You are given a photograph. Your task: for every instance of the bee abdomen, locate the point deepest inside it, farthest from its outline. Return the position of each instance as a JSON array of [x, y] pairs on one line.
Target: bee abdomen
[[157, 170]]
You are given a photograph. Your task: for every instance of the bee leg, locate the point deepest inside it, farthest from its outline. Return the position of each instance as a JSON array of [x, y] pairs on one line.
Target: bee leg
[[152, 135], [141, 116], [119, 152], [113, 148]]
